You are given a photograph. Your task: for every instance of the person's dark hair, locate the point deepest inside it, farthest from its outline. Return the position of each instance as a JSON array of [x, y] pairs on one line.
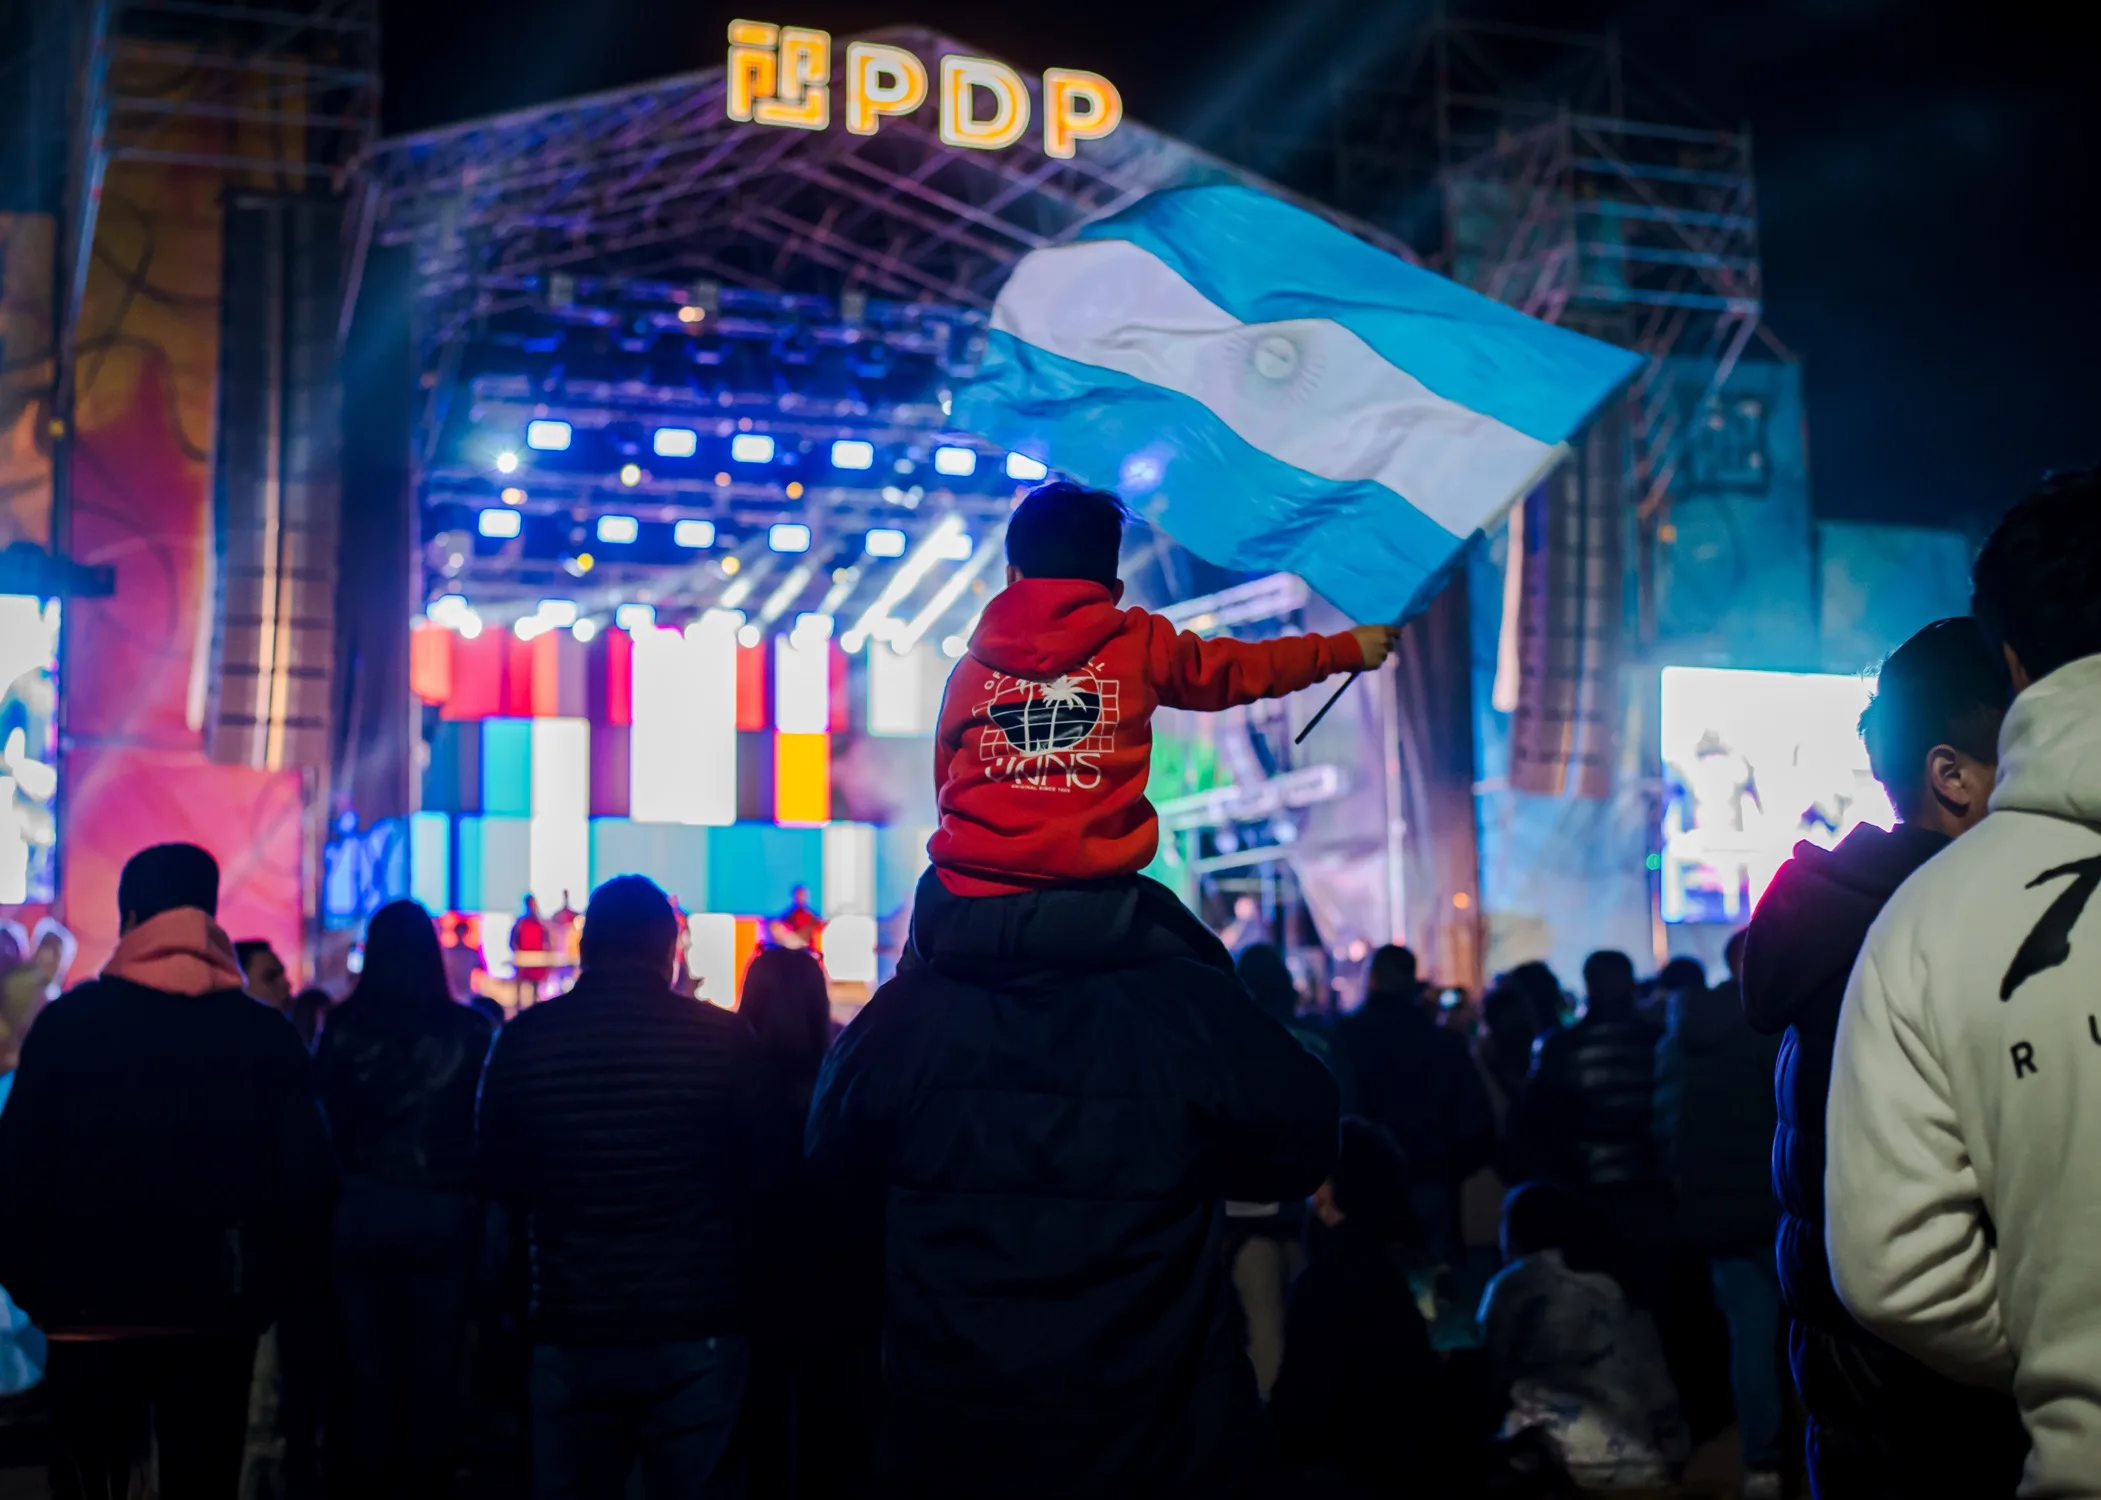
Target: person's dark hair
[[309, 1007], [1370, 1182], [248, 950], [404, 963], [1541, 1216], [629, 924], [1608, 982], [1065, 530], [1733, 951], [1263, 970], [1682, 973], [1393, 973], [167, 877], [1542, 991], [789, 1009], [2036, 585], [1508, 1018], [1944, 686]]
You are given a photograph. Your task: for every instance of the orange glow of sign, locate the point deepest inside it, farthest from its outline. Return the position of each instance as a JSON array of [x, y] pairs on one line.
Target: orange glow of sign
[[961, 79], [880, 81], [754, 70], [1077, 107]]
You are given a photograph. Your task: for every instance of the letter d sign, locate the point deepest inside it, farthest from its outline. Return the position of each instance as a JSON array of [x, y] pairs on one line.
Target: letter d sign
[[961, 79]]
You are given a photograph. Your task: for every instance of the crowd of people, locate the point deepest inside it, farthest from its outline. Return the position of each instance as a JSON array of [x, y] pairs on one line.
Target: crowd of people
[[1083, 1203]]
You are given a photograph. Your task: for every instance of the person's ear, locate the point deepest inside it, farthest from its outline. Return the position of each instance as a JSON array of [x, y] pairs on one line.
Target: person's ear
[[1959, 784], [1116, 592], [1013, 573], [2021, 680]]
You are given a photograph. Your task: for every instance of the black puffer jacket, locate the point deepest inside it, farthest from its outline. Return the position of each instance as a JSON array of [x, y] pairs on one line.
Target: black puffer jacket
[[1043, 1120], [1880, 1423], [624, 1120], [1714, 1120], [1585, 1118], [398, 1079]]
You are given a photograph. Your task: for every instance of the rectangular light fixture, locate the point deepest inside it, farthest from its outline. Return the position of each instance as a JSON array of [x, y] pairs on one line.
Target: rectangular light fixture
[[692, 533], [559, 849], [1028, 470], [548, 436], [852, 453], [618, 529], [886, 541], [500, 523], [752, 448], [676, 442], [557, 612], [957, 463], [682, 764], [954, 548], [802, 684], [633, 617], [788, 536], [802, 779]]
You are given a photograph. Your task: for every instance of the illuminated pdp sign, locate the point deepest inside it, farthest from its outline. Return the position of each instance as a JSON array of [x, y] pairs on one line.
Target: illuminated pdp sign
[[782, 75]]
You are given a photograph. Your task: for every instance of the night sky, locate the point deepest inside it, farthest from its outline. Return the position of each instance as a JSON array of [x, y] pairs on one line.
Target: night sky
[[1923, 171]]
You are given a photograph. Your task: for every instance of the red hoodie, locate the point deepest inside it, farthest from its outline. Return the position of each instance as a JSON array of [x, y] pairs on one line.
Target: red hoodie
[[1046, 732]]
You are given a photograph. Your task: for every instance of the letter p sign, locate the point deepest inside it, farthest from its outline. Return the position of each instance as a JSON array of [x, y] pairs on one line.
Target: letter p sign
[[880, 81], [1077, 107]]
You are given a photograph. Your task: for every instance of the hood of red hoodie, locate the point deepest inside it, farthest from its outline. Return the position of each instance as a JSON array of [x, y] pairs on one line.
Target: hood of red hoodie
[[180, 952], [1041, 628]]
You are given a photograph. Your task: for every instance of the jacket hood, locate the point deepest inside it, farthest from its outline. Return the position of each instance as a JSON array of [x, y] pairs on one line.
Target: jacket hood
[[1040, 628], [1813, 918], [180, 952], [2050, 746]]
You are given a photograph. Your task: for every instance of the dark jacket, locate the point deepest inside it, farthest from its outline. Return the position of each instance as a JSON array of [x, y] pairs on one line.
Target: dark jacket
[[1362, 1405], [622, 1120], [1419, 1081], [1714, 1120], [1032, 1131], [1585, 1117], [1879, 1422], [163, 1164], [398, 1080]]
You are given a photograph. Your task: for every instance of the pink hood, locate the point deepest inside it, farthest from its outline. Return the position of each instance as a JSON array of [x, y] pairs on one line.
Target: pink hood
[[183, 952]]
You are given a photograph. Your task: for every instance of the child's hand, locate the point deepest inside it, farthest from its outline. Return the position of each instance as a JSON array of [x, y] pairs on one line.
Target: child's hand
[[1375, 641]]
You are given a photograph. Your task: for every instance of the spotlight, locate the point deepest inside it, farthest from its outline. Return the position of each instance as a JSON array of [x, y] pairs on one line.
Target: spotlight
[[448, 609], [954, 647], [635, 617], [722, 479], [528, 626], [618, 529], [694, 533], [795, 489], [558, 612], [676, 442], [955, 547], [886, 541], [548, 436], [813, 627], [469, 626], [731, 567], [788, 536], [748, 636], [584, 629], [957, 463], [500, 523], [630, 475], [1028, 470], [852, 453], [506, 462], [752, 448], [514, 496], [692, 314]]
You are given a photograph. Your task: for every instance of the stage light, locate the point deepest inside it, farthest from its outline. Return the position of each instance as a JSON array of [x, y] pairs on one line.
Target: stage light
[[731, 567], [852, 642], [692, 314], [795, 489], [1028, 470], [675, 442], [945, 597], [558, 612], [954, 647], [886, 541], [904, 578], [812, 624], [954, 547], [529, 626], [548, 436], [722, 479], [513, 496], [633, 617], [852, 453], [749, 636], [630, 475], [469, 626], [752, 448], [584, 629], [448, 609], [500, 523], [618, 529], [957, 463], [788, 536], [694, 533], [506, 462]]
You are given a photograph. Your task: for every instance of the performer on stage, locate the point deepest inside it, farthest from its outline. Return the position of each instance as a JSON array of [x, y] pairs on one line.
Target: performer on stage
[[798, 926]]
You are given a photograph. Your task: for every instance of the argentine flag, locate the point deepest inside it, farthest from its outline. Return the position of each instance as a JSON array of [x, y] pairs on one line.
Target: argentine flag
[[1276, 394]]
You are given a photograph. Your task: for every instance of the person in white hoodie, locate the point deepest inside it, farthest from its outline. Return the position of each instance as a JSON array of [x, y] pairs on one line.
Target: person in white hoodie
[[1963, 1178]]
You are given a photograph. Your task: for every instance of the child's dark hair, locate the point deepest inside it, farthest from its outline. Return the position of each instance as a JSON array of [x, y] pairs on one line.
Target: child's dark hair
[[2037, 583], [1065, 530], [1944, 686]]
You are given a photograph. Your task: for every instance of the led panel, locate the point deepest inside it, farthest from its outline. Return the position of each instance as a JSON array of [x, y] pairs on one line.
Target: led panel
[[849, 949], [904, 691], [683, 744], [802, 683], [802, 778], [711, 955], [560, 862], [849, 870]]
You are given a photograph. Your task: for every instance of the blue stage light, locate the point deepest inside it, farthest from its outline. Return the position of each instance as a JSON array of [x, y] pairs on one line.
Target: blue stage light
[[548, 436], [852, 453], [886, 541], [618, 529], [957, 463], [789, 536], [1028, 470], [635, 616], [676, 442], [752, 448], [501, 523], [694, 533]]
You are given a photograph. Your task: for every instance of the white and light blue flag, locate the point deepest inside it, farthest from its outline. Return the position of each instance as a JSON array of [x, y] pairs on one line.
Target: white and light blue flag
[[1276, 394]]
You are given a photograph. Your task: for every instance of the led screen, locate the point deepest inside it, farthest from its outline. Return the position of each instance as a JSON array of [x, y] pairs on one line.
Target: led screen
[[28, 749]]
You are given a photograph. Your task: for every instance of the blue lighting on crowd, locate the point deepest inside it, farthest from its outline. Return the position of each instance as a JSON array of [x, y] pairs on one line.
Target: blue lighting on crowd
[[547, 435], [501, 523]]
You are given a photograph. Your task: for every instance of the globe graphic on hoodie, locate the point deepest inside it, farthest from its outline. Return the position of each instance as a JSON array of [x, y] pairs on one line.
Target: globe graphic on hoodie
[[1043, 718]]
